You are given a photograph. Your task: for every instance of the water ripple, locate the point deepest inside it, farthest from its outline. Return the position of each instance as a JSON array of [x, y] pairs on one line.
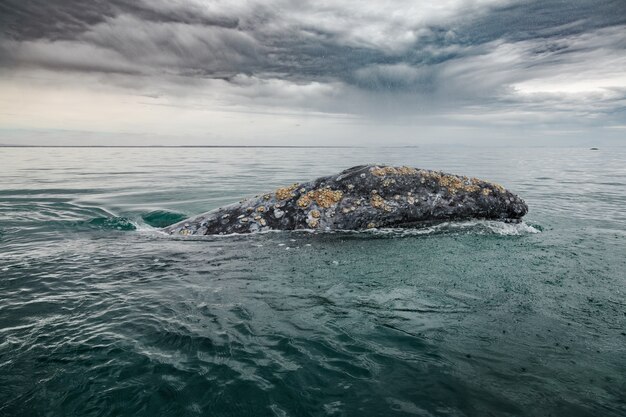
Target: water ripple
[[467, 318]]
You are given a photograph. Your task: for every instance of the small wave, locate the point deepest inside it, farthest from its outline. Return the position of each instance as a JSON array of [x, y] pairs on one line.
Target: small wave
[[111, 223], [162, 218]]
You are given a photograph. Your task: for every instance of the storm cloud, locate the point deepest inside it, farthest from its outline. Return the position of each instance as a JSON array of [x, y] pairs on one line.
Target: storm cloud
[[553, 64]]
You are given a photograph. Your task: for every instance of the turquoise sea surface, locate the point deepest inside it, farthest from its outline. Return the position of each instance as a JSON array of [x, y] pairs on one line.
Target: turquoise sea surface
[[103, 315]]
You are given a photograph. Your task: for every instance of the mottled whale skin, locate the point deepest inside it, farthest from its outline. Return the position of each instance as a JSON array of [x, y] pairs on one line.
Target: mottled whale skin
[[362, 197]]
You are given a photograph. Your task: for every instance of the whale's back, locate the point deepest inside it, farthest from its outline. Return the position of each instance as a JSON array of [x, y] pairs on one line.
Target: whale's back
[[362, 197]]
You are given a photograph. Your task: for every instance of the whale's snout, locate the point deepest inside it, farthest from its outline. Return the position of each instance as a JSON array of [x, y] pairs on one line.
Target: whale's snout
[[517, 207]]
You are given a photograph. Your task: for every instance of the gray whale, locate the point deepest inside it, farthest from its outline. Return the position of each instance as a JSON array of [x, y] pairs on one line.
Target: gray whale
[[362, 197]]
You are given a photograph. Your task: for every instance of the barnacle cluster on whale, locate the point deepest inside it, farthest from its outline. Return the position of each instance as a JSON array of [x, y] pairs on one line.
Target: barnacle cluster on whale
[[362, 197]]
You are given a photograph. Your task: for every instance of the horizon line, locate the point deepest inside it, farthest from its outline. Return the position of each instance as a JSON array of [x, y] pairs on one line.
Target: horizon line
[[186, 146]]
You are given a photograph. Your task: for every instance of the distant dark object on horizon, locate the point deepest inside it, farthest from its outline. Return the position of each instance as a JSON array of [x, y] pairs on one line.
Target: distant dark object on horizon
[[594, 149]]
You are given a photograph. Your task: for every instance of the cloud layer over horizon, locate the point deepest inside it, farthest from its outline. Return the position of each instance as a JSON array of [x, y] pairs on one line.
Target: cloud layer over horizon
[[294, 72]]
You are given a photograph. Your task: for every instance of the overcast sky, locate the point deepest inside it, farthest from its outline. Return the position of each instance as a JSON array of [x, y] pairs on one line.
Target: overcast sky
[[325, 72]]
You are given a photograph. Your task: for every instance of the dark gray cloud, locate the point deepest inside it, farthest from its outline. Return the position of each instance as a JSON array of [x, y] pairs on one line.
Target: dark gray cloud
[[288, 39], [507, 58], [41, 19]]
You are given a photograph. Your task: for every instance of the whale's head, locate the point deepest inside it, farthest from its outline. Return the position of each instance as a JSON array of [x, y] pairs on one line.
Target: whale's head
[[516, 208], [432, 194]]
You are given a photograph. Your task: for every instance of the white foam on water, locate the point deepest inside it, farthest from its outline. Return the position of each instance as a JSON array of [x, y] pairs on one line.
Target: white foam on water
[[145, 228], [511, 229], [478, 227]]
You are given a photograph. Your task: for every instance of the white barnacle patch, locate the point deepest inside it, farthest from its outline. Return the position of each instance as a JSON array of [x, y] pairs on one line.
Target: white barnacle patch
[[278, 213]]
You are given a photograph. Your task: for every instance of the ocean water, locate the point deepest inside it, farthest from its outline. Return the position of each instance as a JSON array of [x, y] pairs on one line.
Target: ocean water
[[102, 315]]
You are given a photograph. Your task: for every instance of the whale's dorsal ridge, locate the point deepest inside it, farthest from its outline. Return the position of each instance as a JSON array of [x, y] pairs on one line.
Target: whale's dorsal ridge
[[355, 170], [362, 197]]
